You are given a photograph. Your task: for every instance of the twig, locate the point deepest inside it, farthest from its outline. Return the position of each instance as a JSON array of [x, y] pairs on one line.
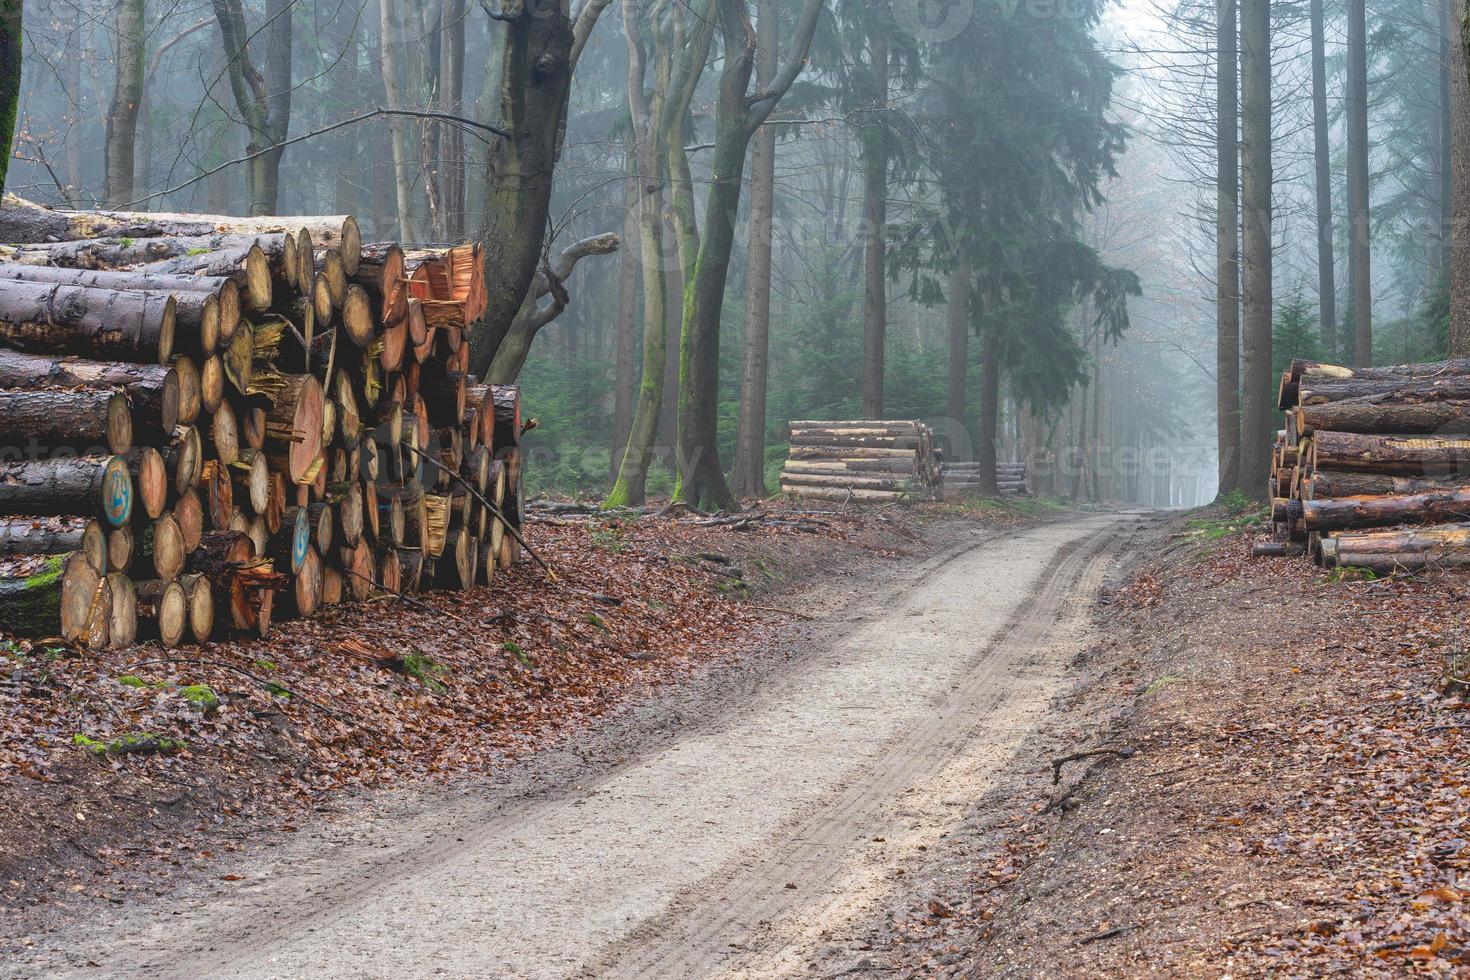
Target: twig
[[1056, 764]]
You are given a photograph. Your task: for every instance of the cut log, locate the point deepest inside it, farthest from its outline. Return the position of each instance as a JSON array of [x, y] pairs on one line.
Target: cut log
[[1302, 369], [162, 546], [1402, 455], [825, 493], [150, 481], [1341, 513], [219, 493], [189, 515], [248, 261], [1346, 483], [838, 482], [1380, 413], [133, 325], [410, 569], [69, 486], [295, 423], [54, 536], [81, 421], [163, 611], [120, 544], [252, 475], [211, 384], [152, 389], [1275, 549], [65, 598], [332, 584], [306, 586], [358, 570], [201, 606], [350, 516], [224, 434], [122, 615]]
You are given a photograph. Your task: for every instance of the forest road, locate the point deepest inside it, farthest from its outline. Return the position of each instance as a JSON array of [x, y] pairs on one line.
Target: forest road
[[763, 832]]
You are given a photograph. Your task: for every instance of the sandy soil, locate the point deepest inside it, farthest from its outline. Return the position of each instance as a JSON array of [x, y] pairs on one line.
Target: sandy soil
[[737, 827]]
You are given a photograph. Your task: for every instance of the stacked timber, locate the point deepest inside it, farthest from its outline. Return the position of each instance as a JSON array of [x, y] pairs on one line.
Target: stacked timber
[[209, 421], [874, 460], [1364, 450], [965, 478]]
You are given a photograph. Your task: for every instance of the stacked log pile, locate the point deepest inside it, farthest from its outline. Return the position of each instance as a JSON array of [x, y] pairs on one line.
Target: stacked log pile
[[870, 460], [208, 421], [964, 477], [1365, 450]]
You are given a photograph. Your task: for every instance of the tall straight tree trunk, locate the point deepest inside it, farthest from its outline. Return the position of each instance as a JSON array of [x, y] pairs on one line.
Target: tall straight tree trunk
[[737, 117], [10, 57], [388, 39], [122, 113], [1442, 194], [344, 192], [959, 345], [1458, 228], [875, 216], [989, 409], [1259, 387], [749, 474], [1227, 251], [1357, 167], [451, 99], [625, 365], [658, 122], [71, 78], [277, 34], [1326, 272]]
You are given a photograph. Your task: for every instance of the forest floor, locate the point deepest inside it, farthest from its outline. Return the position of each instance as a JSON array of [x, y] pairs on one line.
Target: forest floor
[[1281, 787], [250, 741], [1105, 744]]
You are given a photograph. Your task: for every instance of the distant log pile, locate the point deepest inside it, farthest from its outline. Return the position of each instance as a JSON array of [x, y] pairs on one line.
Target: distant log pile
[[208, 421], [963, 478], [1367, 449], [869, 460]]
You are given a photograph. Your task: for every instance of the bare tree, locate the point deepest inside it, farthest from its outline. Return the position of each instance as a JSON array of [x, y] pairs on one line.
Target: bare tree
[[541, 46], [1360, 273], [1458, 231], [750, 441], [262, 94], [10, 57], [122, 112], [1322, 160], [389, 37], [1259, 389], [1227, 248]]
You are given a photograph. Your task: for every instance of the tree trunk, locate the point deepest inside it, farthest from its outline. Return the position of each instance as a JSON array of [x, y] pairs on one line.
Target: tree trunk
[[989, 409], [629, 307], [875, 216], [62, 599], [1438, 457], [10, 61], [535, 84], [1227, 253], [126, 324], [700, 476], [69, 485], [750, 441], [1324, 484], [35, 536], [1385, 413], [1359, 242], [451, 100], [1457, 232], [1259, 386], [1322, 159], [127, 93], [959, 349], [1342, 513], [389, 38]]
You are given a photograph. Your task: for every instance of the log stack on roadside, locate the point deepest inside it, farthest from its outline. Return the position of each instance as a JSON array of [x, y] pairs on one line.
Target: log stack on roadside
[[1372, 468], [868, 460], [207, 422], [964, 477]]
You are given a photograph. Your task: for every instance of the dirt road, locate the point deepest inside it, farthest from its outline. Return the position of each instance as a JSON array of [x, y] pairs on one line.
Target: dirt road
[[743, 832]]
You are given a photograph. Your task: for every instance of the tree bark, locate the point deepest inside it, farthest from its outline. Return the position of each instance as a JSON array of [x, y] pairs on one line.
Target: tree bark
[[1322, 160], [700, 477], [875, 217], [989, 408], [1324, 484], [1359, 241], [35, 536], [1227, 252], [69, 485], [1457, 232], [262, 95], [128, 325], [959, 347], [10, 62], [1385, 413], [1259, 386], [127, 94], [539, 53], [390, 36], [750, 441], [625, 360], [1439, 457]]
